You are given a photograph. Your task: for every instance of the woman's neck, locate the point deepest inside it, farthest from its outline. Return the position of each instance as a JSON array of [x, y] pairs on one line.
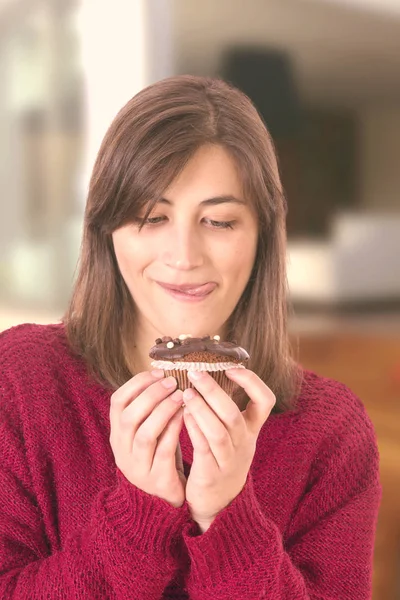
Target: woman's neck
[[140, 352]]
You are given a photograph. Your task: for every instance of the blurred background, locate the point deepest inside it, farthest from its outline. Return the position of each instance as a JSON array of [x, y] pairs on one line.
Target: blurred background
[[325, 75]]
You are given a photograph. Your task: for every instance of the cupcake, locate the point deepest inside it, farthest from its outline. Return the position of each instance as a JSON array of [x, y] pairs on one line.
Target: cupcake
[[179, 355]]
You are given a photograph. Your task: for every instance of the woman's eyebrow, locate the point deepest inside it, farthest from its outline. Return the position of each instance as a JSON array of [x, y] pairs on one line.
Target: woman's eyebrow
[[211, 201]]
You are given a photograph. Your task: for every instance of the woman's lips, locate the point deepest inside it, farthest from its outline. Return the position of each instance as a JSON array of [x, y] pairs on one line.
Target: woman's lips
[[189, 293]]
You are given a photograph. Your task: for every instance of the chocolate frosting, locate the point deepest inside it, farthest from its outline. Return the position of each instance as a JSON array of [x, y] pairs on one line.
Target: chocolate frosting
[[191, 344]]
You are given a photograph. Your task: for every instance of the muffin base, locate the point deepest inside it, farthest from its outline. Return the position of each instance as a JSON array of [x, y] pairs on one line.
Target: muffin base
[[179, 370]]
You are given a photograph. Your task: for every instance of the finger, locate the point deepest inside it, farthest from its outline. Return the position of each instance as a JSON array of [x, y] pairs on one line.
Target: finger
[[145, 441], [140, 408], [122, 397], [202, 452], [132, 388], [126, 393], [262, 399], [222, 405], [215, 432], [167, 453]]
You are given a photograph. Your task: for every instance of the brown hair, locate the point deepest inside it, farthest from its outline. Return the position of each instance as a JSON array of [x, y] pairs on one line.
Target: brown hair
[[147, 145]]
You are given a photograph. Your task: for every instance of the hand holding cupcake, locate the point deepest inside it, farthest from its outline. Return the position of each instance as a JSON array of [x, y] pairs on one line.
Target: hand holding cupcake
[[224, 438]]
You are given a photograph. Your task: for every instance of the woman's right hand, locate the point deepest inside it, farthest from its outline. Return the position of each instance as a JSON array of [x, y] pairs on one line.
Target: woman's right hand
[[146, 418]]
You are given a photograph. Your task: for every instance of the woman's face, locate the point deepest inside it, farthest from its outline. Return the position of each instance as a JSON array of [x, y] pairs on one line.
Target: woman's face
[[187, 268]]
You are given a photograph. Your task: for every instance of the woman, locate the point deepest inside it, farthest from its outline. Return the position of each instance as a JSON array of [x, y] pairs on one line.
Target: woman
[[109, 488]]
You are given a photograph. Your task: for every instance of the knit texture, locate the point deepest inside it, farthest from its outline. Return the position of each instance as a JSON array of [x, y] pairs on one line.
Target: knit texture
[[73, 527]]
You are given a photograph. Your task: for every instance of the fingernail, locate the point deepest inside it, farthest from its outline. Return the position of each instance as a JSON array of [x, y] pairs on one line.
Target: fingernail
[[169, 382], [177, 396], [188, 394], [195, 374], [157, 373], [232, 372]]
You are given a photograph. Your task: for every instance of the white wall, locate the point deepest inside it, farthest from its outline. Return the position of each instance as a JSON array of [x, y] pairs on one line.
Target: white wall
[[340, 54], [113, 38]]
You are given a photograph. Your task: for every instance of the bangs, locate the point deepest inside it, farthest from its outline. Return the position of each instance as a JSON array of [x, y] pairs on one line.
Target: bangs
[[137, 185]]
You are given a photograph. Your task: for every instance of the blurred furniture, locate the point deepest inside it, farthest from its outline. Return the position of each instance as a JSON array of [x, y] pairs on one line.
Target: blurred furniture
[[355, 266], [267, 76], [319, 167], [318, 147], [369, 363]]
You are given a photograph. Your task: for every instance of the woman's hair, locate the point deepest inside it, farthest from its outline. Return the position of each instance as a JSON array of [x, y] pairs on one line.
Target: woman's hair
[[147, 145]]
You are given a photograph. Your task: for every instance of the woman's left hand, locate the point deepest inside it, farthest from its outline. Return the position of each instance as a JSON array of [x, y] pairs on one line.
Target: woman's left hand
[[224, 440]]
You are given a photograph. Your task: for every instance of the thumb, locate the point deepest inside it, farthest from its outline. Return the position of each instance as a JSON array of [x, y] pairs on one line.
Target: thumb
[[262, 399]]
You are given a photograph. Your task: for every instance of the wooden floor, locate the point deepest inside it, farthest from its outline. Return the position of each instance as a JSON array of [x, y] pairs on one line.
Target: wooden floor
[[370, 366]]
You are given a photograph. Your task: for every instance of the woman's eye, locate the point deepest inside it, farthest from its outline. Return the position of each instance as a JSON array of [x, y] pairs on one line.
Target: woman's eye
[[154, 220], [149, 221], [221, 224]]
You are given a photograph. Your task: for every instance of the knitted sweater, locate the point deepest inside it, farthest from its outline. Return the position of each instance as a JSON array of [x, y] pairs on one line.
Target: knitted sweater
[[73, 527]]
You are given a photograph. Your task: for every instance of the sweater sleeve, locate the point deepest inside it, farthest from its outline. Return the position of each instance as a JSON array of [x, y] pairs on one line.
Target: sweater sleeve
[[327, 552], [127, 549]]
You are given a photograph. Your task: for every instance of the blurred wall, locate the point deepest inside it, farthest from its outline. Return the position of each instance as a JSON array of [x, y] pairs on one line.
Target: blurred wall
[[341, 54], [380, 157], [66, 69]]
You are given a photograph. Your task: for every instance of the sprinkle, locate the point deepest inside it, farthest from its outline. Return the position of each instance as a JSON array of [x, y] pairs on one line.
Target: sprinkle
[[183, 336], [170, 345], [216, 338]]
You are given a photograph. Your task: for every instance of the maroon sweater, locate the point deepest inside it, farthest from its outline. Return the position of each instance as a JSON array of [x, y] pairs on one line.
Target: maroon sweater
[[72, 526]]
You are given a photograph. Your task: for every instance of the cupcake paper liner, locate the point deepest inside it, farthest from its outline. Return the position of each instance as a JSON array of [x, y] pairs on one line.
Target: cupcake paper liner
[[179, 370]]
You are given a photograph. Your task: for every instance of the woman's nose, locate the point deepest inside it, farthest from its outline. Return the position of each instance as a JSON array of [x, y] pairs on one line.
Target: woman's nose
[[183, 250]]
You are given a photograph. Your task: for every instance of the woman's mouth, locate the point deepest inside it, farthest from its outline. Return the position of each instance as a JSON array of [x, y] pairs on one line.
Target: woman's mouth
[[189, 292]]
